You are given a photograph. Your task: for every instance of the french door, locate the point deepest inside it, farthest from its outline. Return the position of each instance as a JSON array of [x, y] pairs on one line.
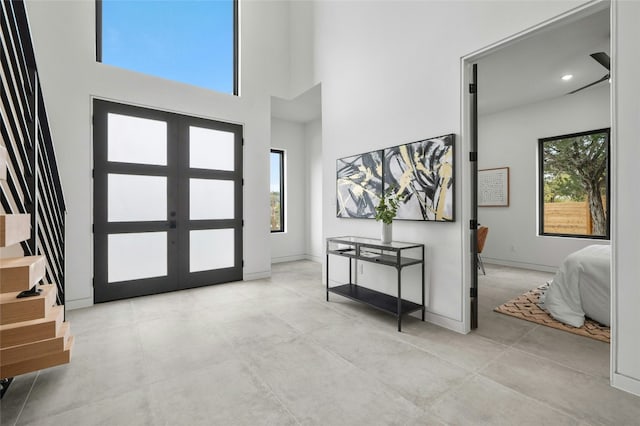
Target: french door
[[167, 201]]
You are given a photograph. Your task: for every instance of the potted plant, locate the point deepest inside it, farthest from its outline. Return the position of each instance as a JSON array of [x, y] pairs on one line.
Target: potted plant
[[386, 210]]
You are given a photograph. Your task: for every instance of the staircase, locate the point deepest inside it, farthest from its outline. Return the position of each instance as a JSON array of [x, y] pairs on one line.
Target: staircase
[[33, 333]]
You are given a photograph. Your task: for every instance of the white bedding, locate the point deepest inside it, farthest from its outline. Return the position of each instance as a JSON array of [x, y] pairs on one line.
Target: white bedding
[[581, 287]]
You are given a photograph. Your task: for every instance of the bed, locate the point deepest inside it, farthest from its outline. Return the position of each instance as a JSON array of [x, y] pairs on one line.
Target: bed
[[581, 287]]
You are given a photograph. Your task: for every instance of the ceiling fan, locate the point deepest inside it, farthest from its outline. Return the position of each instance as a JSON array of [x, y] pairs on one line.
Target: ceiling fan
[[604, 60]]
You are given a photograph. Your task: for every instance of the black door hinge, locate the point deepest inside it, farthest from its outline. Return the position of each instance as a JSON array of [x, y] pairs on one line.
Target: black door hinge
[[473, 156], [243, 263], [242, 222], [473, 292], [473, 224], [473, 89], [93, 228]]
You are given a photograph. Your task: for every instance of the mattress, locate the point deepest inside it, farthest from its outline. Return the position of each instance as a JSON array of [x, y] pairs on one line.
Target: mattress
[[581, 287]]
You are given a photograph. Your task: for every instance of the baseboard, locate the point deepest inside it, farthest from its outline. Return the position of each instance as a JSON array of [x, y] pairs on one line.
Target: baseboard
[[317, 259], [256, 275], [626, 384], [288, 258], [78, 303], [313, 258], [522, 265], [448, 323]]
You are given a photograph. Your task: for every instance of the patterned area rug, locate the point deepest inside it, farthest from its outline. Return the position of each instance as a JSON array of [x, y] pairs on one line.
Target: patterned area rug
[[526, 307]]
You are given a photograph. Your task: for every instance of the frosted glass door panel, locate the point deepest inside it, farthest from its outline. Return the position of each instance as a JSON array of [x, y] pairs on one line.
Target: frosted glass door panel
[[211, 199], [136, 140], [211, 249], [211, 149], [136, 256], [136, 198]]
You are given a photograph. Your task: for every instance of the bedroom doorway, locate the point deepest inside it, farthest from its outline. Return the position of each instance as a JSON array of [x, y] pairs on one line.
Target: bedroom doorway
[[506, 96]]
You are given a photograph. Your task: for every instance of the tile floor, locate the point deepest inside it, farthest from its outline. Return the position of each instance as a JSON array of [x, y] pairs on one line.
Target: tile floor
[[273, 352]]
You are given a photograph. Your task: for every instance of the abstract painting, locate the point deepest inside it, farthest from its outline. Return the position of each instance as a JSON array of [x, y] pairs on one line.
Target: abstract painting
[[423, 172], [359, 185]]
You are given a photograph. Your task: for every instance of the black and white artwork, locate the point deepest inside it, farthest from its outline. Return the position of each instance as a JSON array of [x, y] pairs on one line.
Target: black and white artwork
[[359, 185], [423, 172]]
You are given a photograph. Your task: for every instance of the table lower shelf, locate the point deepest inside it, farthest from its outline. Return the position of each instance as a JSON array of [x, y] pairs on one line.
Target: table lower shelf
[[375, 299]]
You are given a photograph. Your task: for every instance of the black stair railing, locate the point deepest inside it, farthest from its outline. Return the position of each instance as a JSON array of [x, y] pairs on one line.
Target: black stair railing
[[33, 182]]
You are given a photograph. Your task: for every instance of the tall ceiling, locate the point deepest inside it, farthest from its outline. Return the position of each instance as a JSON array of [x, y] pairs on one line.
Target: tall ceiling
[[524, 72], [530, 70]]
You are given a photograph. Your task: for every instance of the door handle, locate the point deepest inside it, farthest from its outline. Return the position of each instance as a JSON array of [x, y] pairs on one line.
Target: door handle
[[172, 224]]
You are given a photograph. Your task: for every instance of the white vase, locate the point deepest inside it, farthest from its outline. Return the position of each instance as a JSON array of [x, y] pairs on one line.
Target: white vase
[[386, 233]]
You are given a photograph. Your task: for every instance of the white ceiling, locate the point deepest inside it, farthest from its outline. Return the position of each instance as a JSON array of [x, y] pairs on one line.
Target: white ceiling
[[530, 70], [524, 72], [304, 108]]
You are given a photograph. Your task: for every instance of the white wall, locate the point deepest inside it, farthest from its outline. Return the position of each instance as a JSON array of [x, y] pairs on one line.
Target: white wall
[[625, 350], [290, 245], [64, 39], [390, 74], [510, 139], [302, 143], [301, 38], [313, 159]]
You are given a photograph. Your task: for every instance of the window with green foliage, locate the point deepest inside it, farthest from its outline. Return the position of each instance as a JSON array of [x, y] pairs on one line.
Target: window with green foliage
[[277, 190], [574, 185]]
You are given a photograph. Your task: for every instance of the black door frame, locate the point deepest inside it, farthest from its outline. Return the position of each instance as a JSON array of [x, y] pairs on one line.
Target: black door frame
[[473, 222], [178, 223]]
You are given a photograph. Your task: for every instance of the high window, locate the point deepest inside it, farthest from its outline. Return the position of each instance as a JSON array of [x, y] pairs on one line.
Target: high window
[[190, 41], [574, 185], [277, 191]]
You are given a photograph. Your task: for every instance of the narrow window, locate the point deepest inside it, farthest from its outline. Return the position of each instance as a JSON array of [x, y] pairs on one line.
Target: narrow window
[[277, 190], [574, 185], [194, 42]]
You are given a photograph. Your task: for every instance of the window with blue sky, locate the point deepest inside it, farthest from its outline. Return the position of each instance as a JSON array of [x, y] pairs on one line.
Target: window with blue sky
[[183, 40]]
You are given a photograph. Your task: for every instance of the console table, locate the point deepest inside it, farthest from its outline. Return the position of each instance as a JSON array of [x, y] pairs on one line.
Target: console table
[[395, 254]]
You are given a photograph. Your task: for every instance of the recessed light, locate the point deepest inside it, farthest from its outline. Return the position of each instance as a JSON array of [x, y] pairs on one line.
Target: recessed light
[[567, 77]]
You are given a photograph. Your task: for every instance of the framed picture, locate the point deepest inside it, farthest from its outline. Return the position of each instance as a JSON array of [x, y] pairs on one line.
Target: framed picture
[[359, 185], [493, 187], [423, 172]]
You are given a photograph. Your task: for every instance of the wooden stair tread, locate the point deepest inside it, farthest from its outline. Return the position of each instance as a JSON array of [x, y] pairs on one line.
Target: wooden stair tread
[[18, 353], [21, 273], [14, 228], [39, 363], [11, 297], [14, 310], [19, 333], [19, 262]]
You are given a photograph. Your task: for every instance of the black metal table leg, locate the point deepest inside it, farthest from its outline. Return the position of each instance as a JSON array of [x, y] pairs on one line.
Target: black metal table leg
[[423, 266], [399, 299], [327, 274]]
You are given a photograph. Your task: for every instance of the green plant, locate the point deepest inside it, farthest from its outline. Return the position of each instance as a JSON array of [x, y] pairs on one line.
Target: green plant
[[387, 208]]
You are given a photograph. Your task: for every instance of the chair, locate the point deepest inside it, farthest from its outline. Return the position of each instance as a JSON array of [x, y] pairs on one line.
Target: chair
[[482, 237]]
